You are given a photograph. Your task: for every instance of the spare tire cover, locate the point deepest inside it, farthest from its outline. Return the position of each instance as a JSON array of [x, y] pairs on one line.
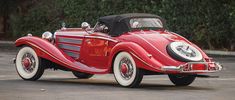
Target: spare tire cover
[[182, 51]]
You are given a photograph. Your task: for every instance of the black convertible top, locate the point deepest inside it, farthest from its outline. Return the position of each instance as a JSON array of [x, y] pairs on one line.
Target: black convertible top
[[119, 24]]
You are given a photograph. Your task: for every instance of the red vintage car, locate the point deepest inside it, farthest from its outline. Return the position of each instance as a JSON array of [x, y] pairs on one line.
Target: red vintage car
[[127, 45]]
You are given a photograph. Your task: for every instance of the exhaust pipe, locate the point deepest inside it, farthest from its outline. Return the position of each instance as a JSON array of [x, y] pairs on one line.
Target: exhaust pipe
[[13, 60]]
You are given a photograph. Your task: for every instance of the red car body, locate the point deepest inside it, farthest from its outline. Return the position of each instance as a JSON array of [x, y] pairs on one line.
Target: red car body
[[78, 50]]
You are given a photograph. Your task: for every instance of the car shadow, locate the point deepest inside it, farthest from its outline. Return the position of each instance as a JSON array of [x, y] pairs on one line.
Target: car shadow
[[173, 87], [112, 83], [101, 83]]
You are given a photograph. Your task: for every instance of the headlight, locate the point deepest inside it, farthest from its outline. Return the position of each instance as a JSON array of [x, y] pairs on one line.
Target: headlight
[[47, 35]]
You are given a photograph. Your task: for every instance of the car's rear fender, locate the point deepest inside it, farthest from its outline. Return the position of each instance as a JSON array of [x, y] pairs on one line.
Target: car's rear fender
[[48, 51], [142, 58]]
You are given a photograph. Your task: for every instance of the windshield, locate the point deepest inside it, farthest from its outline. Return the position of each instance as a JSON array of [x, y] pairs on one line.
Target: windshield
[[145, 23], [101, 27]]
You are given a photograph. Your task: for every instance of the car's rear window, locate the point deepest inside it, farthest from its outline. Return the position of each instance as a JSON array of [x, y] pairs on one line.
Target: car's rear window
[[146, 23]]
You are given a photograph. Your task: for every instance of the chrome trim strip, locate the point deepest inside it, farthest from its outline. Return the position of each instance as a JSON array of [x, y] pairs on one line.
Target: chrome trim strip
[[70, 40], [104, 38], [174, 68], [70, 33], [180, 68], [70, 47]]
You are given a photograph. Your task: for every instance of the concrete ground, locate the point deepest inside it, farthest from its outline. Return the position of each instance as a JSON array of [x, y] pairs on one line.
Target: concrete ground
[[60, 85]]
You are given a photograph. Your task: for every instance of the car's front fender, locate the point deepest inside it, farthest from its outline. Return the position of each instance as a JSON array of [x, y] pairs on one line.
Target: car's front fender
[[47, 50]]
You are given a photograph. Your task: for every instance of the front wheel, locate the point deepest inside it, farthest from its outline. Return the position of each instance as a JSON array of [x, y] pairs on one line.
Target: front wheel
[[125, 71], [28, 65], [182, 80]]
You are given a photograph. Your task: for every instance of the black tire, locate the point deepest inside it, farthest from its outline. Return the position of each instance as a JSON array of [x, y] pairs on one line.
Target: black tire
[[131, 80], [40, 71], [138, 79], [81, 75], [39, 63], [182, 80]]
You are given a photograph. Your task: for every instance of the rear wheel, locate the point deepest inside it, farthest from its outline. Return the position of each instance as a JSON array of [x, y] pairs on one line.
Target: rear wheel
[[81, 75], [182, 80], [125, 71], [28, 65]]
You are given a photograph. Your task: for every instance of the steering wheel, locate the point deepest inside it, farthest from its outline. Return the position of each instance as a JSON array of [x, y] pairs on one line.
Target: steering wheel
[[105, 29]]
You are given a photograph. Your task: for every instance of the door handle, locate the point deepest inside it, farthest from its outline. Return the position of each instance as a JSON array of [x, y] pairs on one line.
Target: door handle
[[88, 41], [106, 43]]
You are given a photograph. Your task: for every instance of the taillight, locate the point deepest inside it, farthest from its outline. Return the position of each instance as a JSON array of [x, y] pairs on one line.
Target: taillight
[[199, 67]]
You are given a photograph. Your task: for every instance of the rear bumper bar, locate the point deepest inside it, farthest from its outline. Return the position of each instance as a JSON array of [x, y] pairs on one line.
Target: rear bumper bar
[[194, 67]]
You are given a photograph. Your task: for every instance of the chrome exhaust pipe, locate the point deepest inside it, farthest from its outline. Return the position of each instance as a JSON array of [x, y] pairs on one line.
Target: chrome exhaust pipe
[[13, 60]]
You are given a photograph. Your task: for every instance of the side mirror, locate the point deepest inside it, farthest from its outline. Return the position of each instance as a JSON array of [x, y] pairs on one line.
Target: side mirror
[[85, 25]]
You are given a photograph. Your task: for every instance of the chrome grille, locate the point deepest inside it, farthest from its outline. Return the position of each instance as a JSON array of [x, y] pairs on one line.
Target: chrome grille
[[69, 47], [70, 40], [72, 54]]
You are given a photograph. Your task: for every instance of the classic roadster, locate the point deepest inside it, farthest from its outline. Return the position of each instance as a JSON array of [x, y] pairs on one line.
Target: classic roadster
[[127, 45]]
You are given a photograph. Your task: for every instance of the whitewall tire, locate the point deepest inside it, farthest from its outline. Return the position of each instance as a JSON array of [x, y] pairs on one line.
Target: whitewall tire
[[28, 64], [125, 71], [184, 52]]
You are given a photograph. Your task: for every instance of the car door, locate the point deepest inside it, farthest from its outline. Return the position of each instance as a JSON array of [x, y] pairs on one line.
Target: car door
[[95, 50]]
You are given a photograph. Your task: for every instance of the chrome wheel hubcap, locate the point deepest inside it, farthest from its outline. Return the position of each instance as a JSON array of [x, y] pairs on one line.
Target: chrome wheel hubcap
[[126, 68], [28, 62]]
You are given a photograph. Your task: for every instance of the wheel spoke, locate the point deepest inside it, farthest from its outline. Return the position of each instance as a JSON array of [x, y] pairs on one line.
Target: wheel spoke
[[127, 74], [28, 62]]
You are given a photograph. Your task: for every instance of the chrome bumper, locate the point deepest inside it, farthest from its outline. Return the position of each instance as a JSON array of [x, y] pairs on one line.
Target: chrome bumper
[[190, 67]]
